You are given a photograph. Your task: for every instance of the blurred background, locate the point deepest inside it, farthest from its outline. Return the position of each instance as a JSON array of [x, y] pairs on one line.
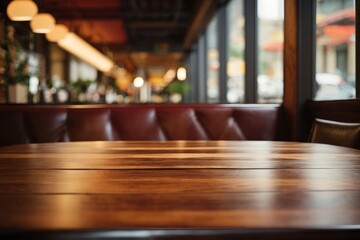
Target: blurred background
[[117, 51]]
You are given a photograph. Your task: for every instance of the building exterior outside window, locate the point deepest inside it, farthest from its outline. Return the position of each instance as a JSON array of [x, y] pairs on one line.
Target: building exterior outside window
[[270, 51], [213, 94], [335, 49], [236, 45]]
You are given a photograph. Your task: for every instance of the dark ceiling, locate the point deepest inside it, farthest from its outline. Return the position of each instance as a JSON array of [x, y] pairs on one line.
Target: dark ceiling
[[136, 25], [162, 29]]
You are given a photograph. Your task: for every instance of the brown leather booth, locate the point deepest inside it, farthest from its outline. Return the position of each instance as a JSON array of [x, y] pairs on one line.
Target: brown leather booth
[[21, 124]]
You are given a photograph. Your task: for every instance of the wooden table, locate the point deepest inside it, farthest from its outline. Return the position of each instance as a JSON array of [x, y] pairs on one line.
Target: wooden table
[[202, 189]]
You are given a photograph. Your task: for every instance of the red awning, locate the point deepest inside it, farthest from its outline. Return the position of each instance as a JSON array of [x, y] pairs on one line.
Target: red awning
[[336, 34], [273, 46], [335, 30]]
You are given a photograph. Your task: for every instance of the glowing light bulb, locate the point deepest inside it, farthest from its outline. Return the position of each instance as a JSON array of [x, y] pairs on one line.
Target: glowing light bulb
[[138, 82]]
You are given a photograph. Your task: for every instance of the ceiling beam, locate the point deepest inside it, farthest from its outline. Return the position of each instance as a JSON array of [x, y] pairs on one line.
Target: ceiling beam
[[203, 16]]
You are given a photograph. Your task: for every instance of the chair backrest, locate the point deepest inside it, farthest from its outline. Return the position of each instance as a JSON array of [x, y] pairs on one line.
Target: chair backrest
[[335, 133]]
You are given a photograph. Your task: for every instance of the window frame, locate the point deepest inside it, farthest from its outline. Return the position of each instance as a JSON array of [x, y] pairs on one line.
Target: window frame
[[305, 37]]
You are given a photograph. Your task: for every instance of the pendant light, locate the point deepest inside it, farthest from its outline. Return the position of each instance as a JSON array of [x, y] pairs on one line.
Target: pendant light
[[181, 73], [21, 10], [42, 23], [59, 32]]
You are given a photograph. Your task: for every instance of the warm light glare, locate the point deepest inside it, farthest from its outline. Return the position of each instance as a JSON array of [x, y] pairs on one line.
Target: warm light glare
[[169, 75], [59, 32], [83, 50], [181, 73], [42, 23], [21, 10], [138, 82]]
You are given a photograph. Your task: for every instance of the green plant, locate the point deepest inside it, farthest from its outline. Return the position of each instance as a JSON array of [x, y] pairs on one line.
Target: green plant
[[81, 85], [18, 73], [16, 62], [113, 85], [180, 87]]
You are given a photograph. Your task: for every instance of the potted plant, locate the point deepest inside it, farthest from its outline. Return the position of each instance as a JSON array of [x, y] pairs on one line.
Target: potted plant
[[17, 70], [177, 89], [80, 88]]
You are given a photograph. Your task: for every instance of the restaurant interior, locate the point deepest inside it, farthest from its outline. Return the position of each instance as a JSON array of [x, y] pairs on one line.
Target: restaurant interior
[[141, 52], [83, 82]]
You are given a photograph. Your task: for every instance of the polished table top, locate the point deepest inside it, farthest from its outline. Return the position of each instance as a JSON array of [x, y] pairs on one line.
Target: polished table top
[[182, 187]]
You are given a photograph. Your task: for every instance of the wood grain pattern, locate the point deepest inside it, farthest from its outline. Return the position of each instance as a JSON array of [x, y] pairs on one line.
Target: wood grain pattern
[[187, 185]]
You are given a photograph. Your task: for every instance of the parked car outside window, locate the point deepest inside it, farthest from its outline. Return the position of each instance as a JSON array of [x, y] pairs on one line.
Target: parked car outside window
[[333, 86]]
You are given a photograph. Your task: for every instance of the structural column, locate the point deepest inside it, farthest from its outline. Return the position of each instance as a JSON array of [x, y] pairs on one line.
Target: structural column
[[299, 65]]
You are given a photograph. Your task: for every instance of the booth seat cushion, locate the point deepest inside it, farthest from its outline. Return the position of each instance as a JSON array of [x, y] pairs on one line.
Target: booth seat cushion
[[40, 124]]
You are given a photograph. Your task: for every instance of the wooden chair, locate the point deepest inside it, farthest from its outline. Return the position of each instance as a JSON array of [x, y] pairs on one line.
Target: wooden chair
[[335, 133]]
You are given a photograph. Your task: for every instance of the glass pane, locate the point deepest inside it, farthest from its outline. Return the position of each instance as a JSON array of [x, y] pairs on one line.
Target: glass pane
[[212, 62], [235, 64], [270, 58], [335, 49]]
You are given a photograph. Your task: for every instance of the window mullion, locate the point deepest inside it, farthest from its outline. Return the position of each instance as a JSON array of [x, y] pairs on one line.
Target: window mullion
[[357, 46], [223, 52], [251, 53]]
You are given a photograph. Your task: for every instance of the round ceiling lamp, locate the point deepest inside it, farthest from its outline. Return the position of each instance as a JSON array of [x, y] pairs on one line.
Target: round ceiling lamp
[[21, 10], [59, 32], [42, 23]]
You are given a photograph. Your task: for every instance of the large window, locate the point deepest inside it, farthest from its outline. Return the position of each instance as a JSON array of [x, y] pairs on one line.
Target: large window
[[244, 51], [270, 51], [236, 45], [335, 49]]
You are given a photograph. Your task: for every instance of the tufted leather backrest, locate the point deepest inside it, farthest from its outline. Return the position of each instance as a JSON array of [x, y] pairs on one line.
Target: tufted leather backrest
[[39, 124]]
